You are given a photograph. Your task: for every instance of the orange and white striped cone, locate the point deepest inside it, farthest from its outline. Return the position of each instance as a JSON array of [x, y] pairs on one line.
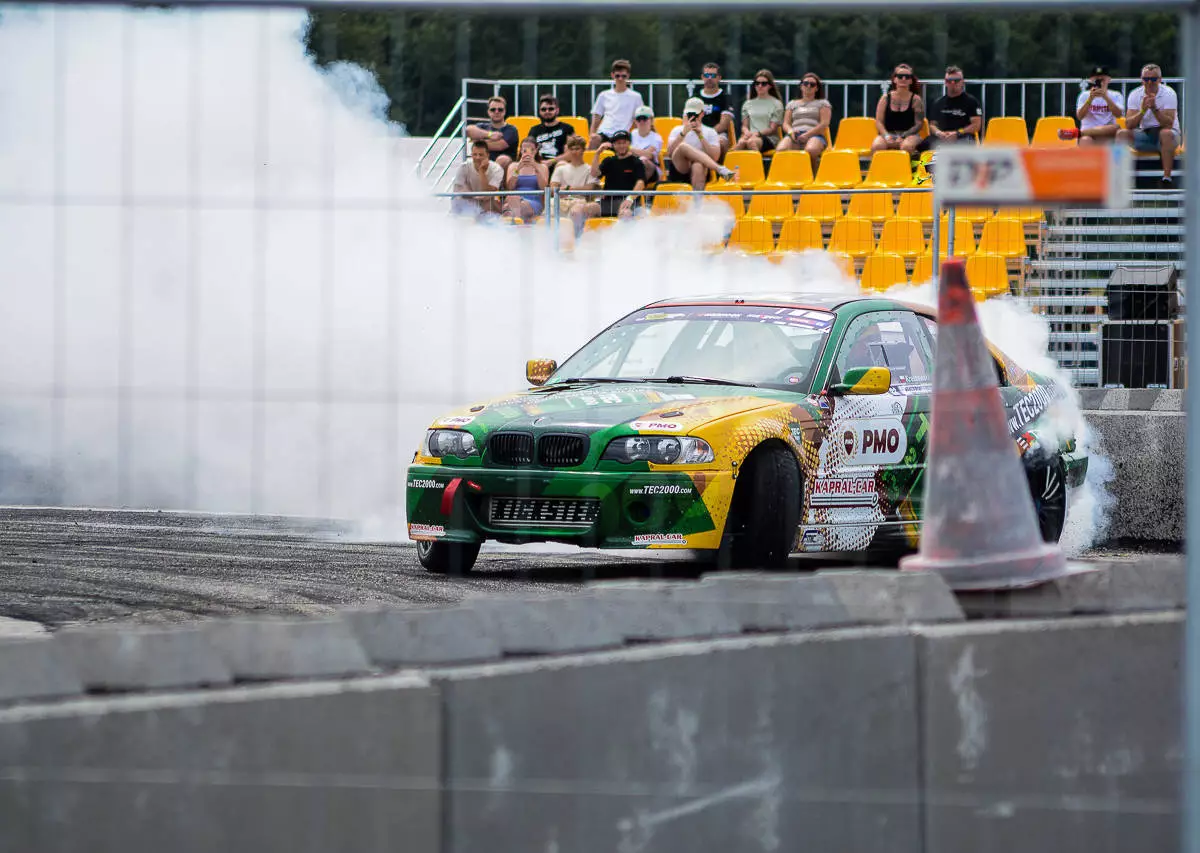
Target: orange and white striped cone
[[980, 530]]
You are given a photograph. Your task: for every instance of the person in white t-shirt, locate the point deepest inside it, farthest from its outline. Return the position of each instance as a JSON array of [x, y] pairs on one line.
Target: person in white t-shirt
[[1097, 109], [693, 149], [573, 174], [646, 144], [477, 175], [1152, 120], [614, 108]]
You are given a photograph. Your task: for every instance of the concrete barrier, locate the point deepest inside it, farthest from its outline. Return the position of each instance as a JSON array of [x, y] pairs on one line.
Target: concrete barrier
[[791, 742], [276, 649], [1052, 735], [126, 657], [298, 768], [35, 669], [419, 636]]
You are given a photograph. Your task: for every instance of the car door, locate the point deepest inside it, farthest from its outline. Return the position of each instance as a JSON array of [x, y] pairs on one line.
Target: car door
[[870, 476]]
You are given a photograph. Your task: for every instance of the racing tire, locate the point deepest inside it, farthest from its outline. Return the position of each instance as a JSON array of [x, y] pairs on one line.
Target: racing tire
[[1048, 487], [761, 528], [447, 558]]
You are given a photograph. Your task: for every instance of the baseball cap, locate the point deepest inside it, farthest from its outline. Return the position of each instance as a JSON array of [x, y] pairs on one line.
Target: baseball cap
[[620, 134], [693, 105], [643, 112], [1098, 71]]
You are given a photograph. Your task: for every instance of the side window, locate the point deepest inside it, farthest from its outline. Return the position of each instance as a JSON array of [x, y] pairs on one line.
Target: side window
[[891, 339], [932, 328]]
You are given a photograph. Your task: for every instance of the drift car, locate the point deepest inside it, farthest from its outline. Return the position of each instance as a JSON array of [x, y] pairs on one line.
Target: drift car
[[747, 427]]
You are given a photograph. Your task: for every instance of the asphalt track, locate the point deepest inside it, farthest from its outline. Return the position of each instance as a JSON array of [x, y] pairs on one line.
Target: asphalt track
[[72, 566]]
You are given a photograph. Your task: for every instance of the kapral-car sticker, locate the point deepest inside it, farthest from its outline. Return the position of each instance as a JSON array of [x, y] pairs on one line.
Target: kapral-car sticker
[[844, 491], [659, 539], [427, 530]]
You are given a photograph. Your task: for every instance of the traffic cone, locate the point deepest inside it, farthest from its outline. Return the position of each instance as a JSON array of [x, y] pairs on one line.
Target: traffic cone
[[980, 529]]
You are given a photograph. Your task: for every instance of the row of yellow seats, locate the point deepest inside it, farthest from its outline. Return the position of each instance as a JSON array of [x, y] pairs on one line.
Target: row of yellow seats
[[856, 133], [986, 274], [855, 237]]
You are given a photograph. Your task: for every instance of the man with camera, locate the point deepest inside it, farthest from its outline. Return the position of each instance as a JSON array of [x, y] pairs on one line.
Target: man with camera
[[693, 148], [1097, 109], [1152, 120]]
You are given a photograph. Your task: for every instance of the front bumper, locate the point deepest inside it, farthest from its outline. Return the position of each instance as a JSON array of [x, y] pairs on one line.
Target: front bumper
[[675, 509]]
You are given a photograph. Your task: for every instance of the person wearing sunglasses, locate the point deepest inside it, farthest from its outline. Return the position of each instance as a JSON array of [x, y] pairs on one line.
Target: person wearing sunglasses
[[646, 143], [762, 115], [550, 134], [614, 108], [956, 116], [900, 113], [718, 109], [805, 119], [501, 137], [1152, 120]]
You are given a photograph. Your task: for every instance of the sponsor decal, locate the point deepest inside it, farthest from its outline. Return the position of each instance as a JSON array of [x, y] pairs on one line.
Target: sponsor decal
[[848, 442], [656, 426], [794, 379], [458, 420], [879, 441], [844, 491], [797, 433], [1029, 407], [479, 408], [813, 539], [661, 489], [659, 539], [426, 531], [426, 484]]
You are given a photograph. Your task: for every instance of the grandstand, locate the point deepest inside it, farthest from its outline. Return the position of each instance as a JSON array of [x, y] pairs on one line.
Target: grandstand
[[862, 208]]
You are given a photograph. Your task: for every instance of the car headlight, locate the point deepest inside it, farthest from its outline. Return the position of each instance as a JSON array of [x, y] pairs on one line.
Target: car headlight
[[448, 442], [659, 449]]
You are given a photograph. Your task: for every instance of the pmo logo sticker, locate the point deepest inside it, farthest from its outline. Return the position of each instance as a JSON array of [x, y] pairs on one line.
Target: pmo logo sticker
[[879, 441]]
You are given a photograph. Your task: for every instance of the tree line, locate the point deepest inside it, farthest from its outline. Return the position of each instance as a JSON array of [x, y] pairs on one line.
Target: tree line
[[420, 58]]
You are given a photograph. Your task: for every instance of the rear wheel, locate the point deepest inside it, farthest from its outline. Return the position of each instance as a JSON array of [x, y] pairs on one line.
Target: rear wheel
[[447, 558], [1048, 486], [761, 527]]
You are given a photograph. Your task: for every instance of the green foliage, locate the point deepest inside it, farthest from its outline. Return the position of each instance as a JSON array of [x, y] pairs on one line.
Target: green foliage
[[419, 57]]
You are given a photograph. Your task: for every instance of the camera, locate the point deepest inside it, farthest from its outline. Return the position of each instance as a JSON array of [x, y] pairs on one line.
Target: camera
[[691, 115], [1094, 84]]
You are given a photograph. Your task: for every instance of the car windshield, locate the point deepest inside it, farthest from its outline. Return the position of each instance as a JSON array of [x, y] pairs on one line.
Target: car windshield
[[768, 346]]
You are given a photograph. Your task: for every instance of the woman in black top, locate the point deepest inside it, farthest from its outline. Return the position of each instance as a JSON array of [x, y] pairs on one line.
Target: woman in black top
[[900, 113]]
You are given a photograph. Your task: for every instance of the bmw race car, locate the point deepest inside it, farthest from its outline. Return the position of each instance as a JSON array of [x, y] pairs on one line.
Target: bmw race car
[[747, 427]]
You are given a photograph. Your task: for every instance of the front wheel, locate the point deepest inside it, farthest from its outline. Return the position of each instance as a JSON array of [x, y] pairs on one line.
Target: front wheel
[[761, 527], [447, 558], [1048, 486]]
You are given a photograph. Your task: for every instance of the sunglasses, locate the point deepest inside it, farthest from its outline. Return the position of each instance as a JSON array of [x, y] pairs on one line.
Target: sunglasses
[[762, 82], [620, 76], [708, 75], [954, 79], [902, 76], [1151, 79], [691, 115], [642, 118], [495, 109], [808, 82]]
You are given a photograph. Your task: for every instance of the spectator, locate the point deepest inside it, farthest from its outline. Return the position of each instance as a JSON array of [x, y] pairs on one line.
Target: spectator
[[762, 115], [614, 107], [551, 134], [1097, 109], [718, 110], [900, 113], [646, 143], [956, 115], [500, 136], [527, 173], [693, 149], [573, 174], [1152, 120], [621, 172], [477, 175], [806, 119]]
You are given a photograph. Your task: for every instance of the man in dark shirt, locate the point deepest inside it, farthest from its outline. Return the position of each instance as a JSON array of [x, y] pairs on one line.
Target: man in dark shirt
[[621, 172], [956, 116], [551, 135], [718, 107], [500, 136]]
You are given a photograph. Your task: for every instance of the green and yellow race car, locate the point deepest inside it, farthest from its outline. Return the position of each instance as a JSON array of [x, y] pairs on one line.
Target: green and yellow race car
[[748, 427]]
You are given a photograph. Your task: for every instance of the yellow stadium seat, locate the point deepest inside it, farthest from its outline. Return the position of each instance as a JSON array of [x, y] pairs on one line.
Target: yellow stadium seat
[[923, 268], [791, 168], [839, 170], [902, 237], [523, 124], [852, 236], [775, 208], [873, 206], [843, 262], [735, 202], [589, 156], [973, 214], [1003, 237], [1045, 132], [889, 169], [664, 125], [750, 164], [824, 207], [596, 223], [882, 271], [915, 205], [987, 275], [799, 234], [752, 235], [671, 203], [1024, 215], [964, 237], [855, 134], [579, 124], [1006, 130]]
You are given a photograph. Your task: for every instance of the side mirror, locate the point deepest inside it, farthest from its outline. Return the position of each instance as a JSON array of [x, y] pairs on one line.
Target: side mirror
[[863, 381], [538, 370]]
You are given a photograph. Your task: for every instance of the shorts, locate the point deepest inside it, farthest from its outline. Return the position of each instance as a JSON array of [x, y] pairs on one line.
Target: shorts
[[610, 205], [1146, 139], [674, 176], [768, 144]]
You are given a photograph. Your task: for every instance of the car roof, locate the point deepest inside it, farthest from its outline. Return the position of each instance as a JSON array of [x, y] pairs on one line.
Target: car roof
[[820, 301]]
